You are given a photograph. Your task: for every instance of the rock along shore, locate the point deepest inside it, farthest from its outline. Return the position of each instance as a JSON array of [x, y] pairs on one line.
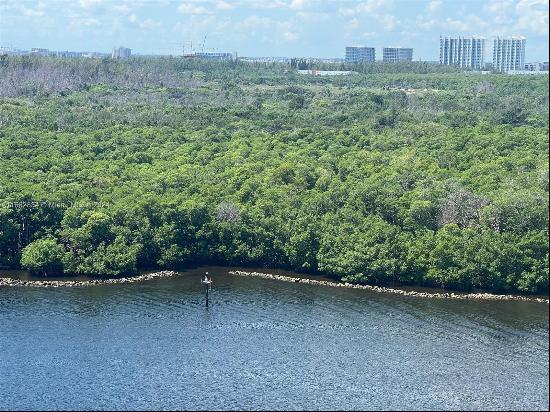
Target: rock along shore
[[446, 295], [78, 283]]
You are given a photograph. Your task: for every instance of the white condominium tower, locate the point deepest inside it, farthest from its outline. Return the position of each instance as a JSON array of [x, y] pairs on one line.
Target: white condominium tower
[[508, 53], [121, 53], [467, 51]]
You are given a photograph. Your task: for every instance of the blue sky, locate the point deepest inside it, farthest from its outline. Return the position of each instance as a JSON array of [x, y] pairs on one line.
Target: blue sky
[[268, 27]]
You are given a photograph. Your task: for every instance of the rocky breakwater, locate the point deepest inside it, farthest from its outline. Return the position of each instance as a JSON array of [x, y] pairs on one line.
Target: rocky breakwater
[[79, 283], [380, 289]]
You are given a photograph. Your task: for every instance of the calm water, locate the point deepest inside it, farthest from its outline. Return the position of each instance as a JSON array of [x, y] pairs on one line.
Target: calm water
[[266, 344]]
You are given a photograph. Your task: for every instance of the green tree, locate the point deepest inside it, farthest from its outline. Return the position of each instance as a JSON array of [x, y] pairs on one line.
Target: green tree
[[43, 257]]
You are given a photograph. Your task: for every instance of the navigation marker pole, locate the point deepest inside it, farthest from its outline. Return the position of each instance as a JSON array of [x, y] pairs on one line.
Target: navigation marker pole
[[207, 282]]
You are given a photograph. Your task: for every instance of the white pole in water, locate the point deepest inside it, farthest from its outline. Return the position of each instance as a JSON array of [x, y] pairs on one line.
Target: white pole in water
[[206, 282]]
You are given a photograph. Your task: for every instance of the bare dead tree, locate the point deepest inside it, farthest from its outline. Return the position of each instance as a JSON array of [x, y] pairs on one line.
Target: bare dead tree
[[228, 212], [484, 87], [461, 207]]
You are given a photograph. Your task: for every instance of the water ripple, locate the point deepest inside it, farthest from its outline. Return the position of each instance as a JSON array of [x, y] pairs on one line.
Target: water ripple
[[266, 345]]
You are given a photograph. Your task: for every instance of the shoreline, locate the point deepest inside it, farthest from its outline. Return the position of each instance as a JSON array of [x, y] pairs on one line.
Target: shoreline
[[79, 283], [12, 282], [381, 289]]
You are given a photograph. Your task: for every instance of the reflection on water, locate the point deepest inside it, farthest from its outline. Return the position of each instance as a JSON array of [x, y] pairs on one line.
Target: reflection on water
[[266, 344]]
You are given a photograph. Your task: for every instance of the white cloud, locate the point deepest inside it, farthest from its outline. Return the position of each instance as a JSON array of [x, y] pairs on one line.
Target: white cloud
[[501, 12], [289, 30], [377, 10], [290, 35], [223, 5], [456, 25], [187, 8], [471, 24], [284, 24], [221, 32], [140, 3], [532, 16], [254, 22], [90, 3], [347, 12], [31, 12], [16, 8], [424, 23], [8, 5], [248, 4], [499, 6], [353, 23], [89, 22], [266, 4], [146, 24], [313, 16], [369, 6], [350, 30], [122, 8], [510, 17], [149, 24], [298, 4], [375, 5], [389, 22], [434, 5]]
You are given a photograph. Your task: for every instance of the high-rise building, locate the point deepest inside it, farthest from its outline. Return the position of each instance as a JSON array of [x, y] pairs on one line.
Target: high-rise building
[[395, 54], [467, 51], [355, 54], [121, 53], [508, 53]]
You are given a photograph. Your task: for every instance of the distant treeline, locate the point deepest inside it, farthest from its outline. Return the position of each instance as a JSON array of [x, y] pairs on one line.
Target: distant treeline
[[428, 177], [415, 67]]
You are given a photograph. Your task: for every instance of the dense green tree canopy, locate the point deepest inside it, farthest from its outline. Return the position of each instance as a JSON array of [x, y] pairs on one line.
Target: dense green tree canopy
[[397, 174], [43, 257]]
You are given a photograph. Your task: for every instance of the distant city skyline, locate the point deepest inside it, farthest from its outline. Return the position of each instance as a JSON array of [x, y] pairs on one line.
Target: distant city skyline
[[305, 28]]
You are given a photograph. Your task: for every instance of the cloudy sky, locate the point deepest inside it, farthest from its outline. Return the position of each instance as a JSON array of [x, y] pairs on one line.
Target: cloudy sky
[[320, 28]]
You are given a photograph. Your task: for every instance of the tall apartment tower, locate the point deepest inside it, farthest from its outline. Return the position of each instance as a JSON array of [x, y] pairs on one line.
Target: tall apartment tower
[[467, 51], [121, 53], [508, 53], [395, 54], [355, 54]]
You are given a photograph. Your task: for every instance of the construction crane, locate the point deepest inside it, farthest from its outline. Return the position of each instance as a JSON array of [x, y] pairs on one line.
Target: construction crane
[[176, 46], [204, 43], [187, 46]]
